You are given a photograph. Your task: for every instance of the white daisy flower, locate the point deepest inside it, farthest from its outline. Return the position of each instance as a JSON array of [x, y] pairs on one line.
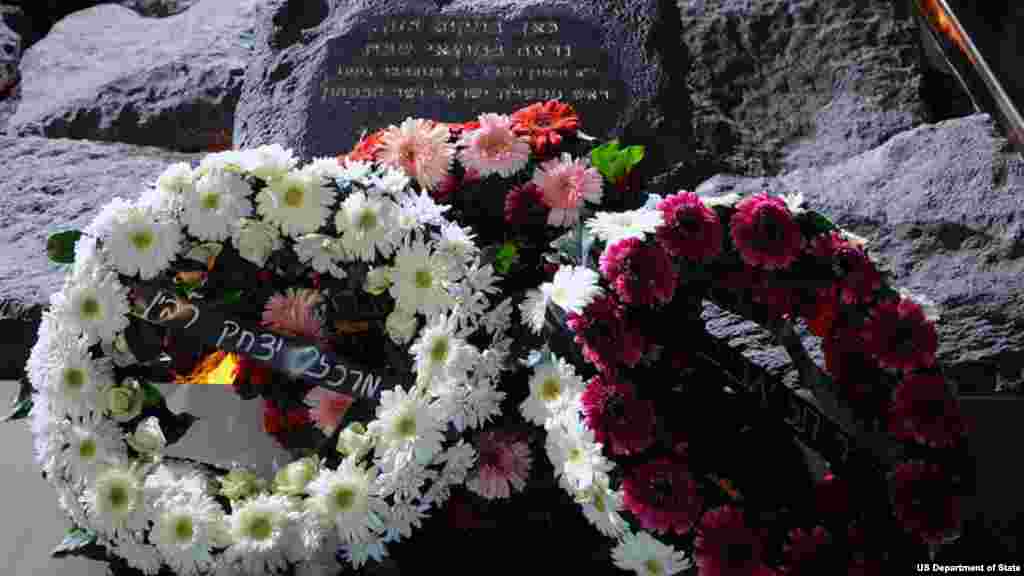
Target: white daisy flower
[[402, 518], [554, 388], [230, 160], [601, 506], [255, 240], [403, 480], [114, 501], [324, 168], [421, 280], [457, 243], [457, 460], [614, 226], [142, 557], [259, 529], [391, 181], [96, 305], [141, 243], [174, 482], [573, 287], [183, 532], [494, 148], [92, 444], [219, 201], [75, 379], [103, 223], [172, 187], [648, 557], [357, 553], [322, 253], [475, 406], [269, 162], [296, 203], [534, 308], [420, 209], [573, 452], [794, 202], [729, 199], [359, 171], [88, 258], [440, 355], [405, 423], [344, 499], [498, 319], [367, 226]]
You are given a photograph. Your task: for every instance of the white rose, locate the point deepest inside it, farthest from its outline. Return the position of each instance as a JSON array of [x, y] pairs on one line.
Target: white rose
[[378, 280], [401, 326], [354, 441], [124, 400], [148, 437], [256, 240]]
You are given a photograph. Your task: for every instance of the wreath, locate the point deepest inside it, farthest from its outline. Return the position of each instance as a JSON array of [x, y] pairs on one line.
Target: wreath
[[646, 415], [281, 277]]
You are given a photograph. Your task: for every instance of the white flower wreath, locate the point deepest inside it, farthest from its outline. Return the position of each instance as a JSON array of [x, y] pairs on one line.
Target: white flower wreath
[[104, 460]]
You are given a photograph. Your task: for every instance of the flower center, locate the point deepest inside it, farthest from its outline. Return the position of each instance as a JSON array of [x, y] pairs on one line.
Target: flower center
[[407, 155], [494, 145], [599, 502], [90, 307], [259, 527], [542, 120], [183, 529], [367, 219], [87, 449], [551, 389], [406, 426], [118, 497], [575, 454], [344, 497], [439, 351], [662, 488], [769, 233], [293, 197], [211, 201], [652, 567], [615, 406], [424, 279], [738, 554], [686, 223], [74, 379], [142, 240]]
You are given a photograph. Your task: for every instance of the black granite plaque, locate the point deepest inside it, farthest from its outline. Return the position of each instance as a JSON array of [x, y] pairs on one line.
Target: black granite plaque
[[455, 68]]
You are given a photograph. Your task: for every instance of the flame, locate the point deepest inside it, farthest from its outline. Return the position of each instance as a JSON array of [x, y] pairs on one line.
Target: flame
[[216, 368], [944, 24]]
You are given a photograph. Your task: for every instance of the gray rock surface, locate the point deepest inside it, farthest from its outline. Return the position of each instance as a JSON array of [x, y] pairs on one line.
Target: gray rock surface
[[784, 84], [943, 208], [108, 74], [51, 185], [645, 35], [10, 55]]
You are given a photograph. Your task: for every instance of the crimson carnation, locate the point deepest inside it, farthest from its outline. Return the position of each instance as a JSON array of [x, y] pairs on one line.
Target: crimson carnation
[[924, 501], [899, 335], [858, 277], [764, 232], [725, 546], [923, 411], [640, 273], [662, 495], [620, 420], [805, 553], [689, 228], [520, 201], [605, 335]]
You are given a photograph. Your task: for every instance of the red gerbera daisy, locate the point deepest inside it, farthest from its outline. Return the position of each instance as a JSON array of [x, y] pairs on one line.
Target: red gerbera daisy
[[620, 420], [764, 232], [605, 335], [925, 501], [366, 149], [689, 229], [857, 276], [662, 495], [924, 411], [641, 274], [521, 201], [725, 546], [545, 124], [899, 335]]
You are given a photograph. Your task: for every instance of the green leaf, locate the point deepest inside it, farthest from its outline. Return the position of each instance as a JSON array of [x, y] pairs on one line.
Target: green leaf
[[613, 163], [820, 223], [22, 403], [506, 257], [60, 247], [232, 297], [151, 395], [74, 542]]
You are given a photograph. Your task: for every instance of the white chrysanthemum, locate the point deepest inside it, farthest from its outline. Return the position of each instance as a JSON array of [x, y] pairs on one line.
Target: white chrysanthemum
[[457, 460], [141, 243], [573, 452], [92, 444], [359, 171], [421, 280], [367, 226], [473, 407], [259, 530], [391, 181], [614, 226], [175, 183], [324, 168], [296, 203], [255, 240], [88, 258], [173, 482], [220, 199], [269, 162], [498, 319], [554, 388], [729, 199], [114, 501], [102, 224], [96, 305], [142, 557], [601, 506], [357, 553], [534, 309], [440, 355], [419, 209], [345, 498], [183, 530], [402, 518], [573, 287], [457, 243], [494, 148], [648, 557], [74, 379], [405, 423], [794, 202], [403, 480], [322, 253], [230, 160]]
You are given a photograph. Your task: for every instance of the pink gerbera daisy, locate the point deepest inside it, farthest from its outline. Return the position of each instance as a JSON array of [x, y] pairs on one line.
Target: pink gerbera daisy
[[725, 546], [620, 420], [564, 184], [420, 148], [640, 273], [327, 408], [925, 501], [294, 314], [662, 495], [504, 459], [689, 229], [522, 201], [493, 148], [924, 411], [900, 336], [605, 335], [764, 232], [857, 276]]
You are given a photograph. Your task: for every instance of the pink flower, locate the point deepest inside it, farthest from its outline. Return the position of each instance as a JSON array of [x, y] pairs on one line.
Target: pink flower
[[857, 276], [327, 408], [605, 335], [503, 460], [900, 336], [764, 232], [294, 314], [662, 495], [620, 420], [493, 148], [640, 274], [922, 410], [520, 202], [420, 148], [564, 185], [925, 501], [690, 229], [806, 552], [725, 546]]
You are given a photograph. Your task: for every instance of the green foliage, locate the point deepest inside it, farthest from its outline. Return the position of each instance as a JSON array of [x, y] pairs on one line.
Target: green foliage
[[614, 164], [151, 395], [507, 255], [60, 247], [232, 297], [75, 542], [22, 403]]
